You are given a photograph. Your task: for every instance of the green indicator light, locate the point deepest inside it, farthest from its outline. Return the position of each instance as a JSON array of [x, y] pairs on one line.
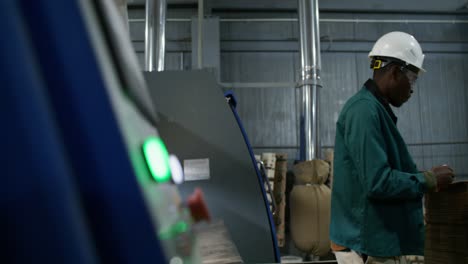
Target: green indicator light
[[180, 227], [157, 159], [173, 231]]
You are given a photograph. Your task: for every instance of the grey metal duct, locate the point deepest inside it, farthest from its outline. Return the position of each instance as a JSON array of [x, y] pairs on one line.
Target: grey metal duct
[[155, 34], [200, 34], [310, 74]]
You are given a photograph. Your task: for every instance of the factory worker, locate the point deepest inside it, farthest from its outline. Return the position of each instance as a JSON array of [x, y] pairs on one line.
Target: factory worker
[[377, 210]]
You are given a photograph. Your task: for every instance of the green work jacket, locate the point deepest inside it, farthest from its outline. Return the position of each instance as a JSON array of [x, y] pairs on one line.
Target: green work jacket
[[377, 191]]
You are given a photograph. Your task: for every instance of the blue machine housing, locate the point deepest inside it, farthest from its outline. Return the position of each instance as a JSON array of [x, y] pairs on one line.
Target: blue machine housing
[[71, 192]]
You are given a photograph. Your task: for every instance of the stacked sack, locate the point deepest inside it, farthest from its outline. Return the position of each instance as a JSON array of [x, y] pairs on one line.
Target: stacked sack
[[310, 202], [447, 225], [269, 162], [279, 190]]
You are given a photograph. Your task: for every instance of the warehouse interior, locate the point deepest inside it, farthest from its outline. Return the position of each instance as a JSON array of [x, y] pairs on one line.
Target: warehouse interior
[[203, 131], [260, 61]]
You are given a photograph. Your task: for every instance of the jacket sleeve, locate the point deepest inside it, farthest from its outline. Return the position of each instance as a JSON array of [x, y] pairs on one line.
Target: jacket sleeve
[[367, 146]]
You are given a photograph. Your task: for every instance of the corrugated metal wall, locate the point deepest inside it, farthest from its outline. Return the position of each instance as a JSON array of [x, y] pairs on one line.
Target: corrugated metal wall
[[434, 122]]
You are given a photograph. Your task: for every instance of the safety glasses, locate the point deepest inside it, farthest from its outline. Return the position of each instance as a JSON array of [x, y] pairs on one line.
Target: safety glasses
[[412, 76]]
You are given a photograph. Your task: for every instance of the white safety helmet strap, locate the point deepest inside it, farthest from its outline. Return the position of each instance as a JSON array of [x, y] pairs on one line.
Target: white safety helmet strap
[[401, 46]]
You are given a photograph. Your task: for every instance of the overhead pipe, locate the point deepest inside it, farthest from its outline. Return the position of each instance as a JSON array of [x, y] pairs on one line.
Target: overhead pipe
[[332, 20], [338, 20], [310, 75], [155, 34], [332, 146]]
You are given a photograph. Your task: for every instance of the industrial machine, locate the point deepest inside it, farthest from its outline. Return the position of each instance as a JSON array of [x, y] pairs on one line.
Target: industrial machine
[[90, 175], [199, 127]]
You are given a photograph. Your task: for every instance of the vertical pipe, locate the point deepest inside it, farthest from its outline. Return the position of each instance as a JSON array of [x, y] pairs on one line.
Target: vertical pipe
[[161, 48], [149, 35], [310, 74], [200, 34], [155, 34], [181, 61]]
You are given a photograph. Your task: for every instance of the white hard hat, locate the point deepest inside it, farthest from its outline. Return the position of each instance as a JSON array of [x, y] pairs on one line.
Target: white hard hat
[[401, 46]]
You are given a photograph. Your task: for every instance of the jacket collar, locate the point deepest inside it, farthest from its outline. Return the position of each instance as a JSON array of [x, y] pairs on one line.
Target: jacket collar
[[372, 87]]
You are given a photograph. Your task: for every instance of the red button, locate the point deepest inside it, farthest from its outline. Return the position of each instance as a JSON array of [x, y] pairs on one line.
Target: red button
[[197, 206]]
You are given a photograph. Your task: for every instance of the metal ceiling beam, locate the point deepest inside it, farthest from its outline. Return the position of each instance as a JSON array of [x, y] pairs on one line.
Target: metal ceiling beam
[[370, 6]]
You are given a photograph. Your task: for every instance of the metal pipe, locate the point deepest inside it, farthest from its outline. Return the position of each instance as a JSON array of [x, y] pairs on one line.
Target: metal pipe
[[334, 20], [155, 34], [161, 48], [258, 84], [333, 146], [404, 21], [342, 20], [310, 74], [200, 34], [149, 35], [181, 56]]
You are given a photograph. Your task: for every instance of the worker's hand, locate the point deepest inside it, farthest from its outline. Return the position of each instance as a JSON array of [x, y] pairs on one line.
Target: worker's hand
[[444, 176]]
